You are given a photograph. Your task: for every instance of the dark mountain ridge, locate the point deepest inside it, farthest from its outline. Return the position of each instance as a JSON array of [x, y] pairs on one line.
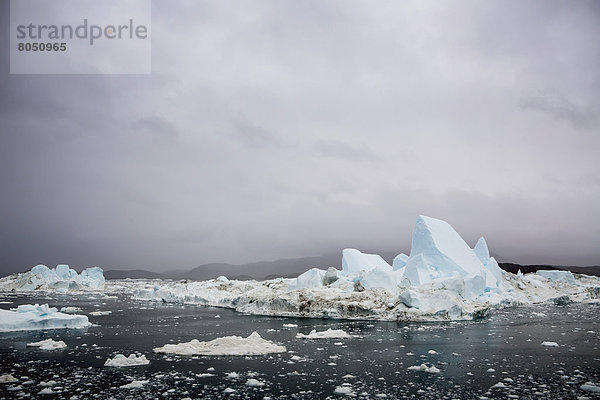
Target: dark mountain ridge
[[292, 267]]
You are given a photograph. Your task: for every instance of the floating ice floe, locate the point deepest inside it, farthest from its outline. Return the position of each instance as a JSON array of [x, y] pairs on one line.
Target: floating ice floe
[[549, 344], [134, 385], [120, 360], [253, 345], [70, 309], [8, 378], [424, 368], [35, 317], [254, 383], [62, 278], [48, 344], [590, 387], [345, 389], [100, 313], [328, 334]]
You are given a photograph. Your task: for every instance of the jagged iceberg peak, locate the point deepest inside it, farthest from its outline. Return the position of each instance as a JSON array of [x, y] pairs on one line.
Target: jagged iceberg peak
[[481, 251], [443, 248]]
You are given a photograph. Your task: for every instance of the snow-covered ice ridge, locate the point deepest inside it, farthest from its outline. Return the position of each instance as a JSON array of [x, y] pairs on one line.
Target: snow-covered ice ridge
[[442, 279], [62, 279]]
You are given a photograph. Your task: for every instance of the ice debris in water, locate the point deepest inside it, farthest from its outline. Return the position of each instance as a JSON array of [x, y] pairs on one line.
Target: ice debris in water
[[121, 361], [550, 344], [7, 378], [35, 317], [225, 346], [345, 389], [424, 368], [254, 383], [590, 387], [134, 385], [70, 309], [328, 334], [48, 344], [62, 278], [100, 313]]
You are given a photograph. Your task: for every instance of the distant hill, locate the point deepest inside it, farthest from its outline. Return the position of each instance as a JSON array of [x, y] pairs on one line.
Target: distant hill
[[132, 273], [259, 270], [292, 267]]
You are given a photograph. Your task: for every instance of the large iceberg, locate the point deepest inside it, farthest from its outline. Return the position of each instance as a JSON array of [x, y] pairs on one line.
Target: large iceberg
[[442, 279], [35, 317], [62, 278], [438, 253]]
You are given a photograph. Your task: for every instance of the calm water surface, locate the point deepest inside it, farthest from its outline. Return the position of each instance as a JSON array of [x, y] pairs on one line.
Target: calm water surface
[[472, 356]]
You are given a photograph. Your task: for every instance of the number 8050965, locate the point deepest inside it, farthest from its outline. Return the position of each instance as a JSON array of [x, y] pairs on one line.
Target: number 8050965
[[42, 47]]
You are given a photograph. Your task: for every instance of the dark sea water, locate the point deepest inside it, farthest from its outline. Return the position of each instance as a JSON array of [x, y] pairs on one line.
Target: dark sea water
[[471, 356]]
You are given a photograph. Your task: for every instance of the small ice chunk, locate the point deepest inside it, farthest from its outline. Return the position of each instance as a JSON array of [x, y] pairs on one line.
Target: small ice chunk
[[7, 378], [290, 325], [70, 309], [550, 344], [345, 389], [424, 368], [121, 361], [590, 387], [134, 385], [254, 383], [100, 313], [328, 334]]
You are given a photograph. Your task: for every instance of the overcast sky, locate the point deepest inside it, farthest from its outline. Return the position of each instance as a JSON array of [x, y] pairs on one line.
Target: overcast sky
[[273, 129]]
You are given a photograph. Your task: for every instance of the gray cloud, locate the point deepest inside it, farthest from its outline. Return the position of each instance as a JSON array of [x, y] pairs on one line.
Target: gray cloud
[[344, 151], [282, 129], [561, 108]]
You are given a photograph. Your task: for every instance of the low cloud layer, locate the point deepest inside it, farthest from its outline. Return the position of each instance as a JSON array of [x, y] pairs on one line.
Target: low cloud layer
[[280, 129]]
